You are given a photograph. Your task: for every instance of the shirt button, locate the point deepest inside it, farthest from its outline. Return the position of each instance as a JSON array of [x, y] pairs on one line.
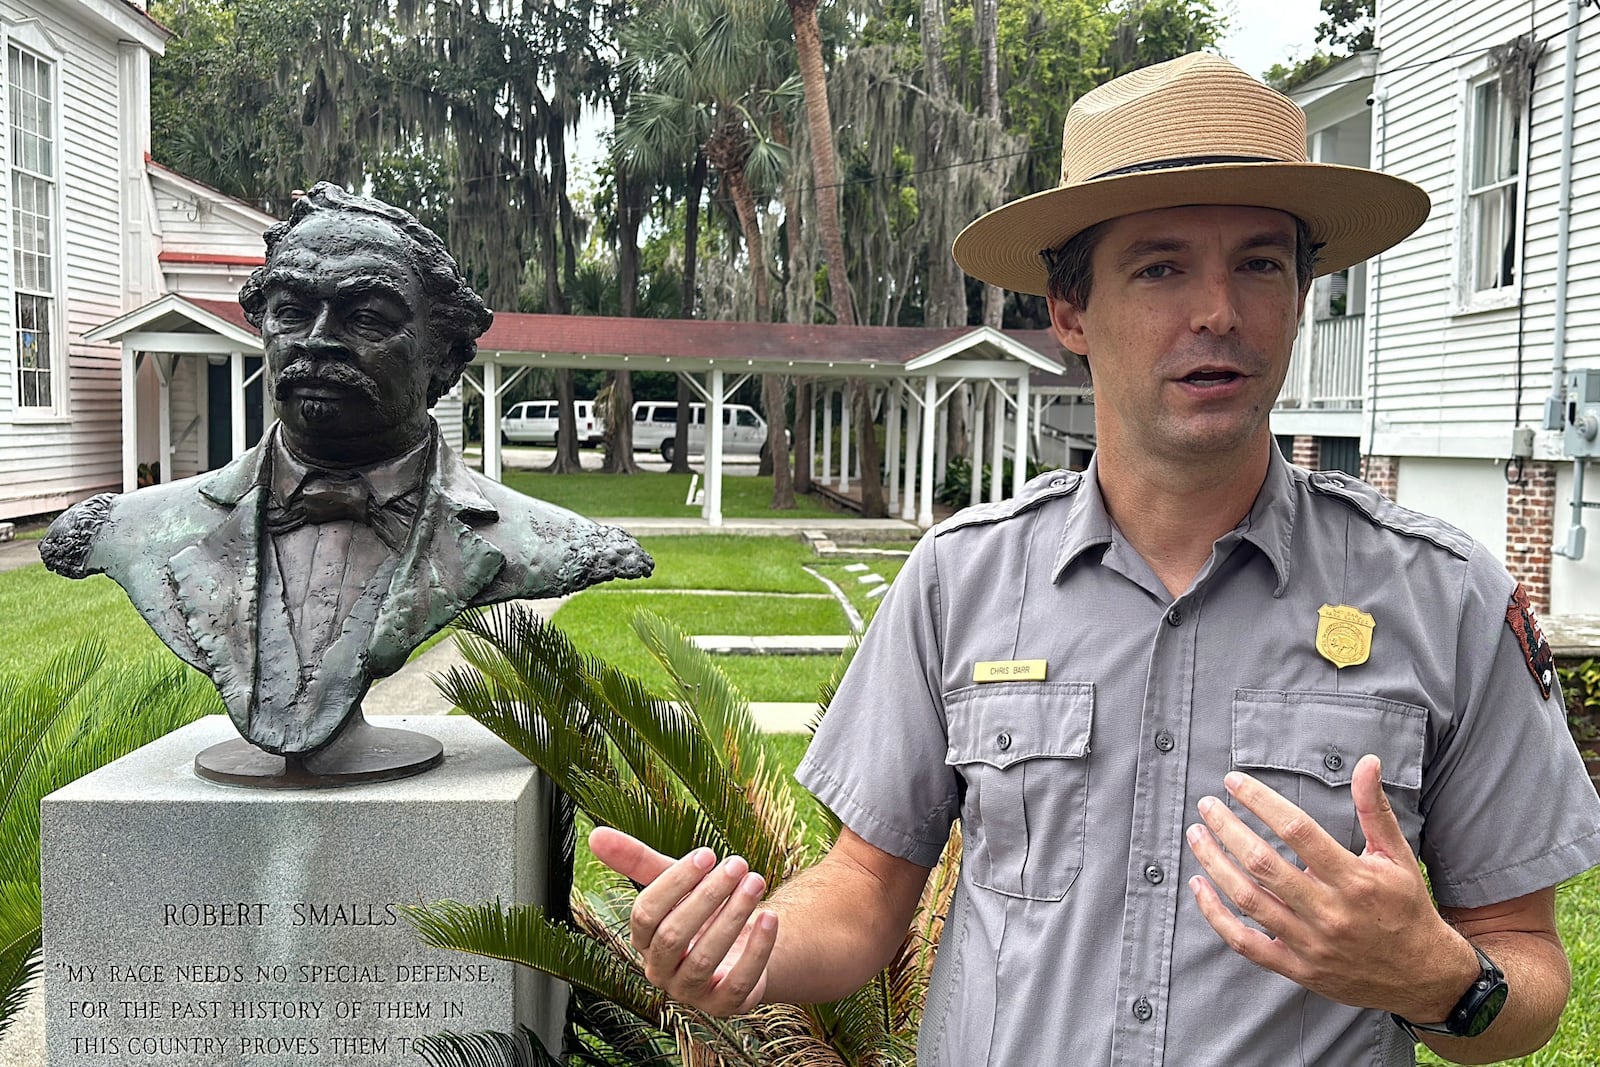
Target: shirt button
[[1175, 617], [1164, 742], [1333, 761], [1142, 1010], [1154, 874], [1003, 741]]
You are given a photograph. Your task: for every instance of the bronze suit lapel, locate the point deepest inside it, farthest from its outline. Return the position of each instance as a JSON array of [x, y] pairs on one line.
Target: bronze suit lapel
[[443, 567]]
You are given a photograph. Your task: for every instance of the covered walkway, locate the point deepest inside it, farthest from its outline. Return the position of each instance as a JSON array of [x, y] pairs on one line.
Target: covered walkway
[[1008, 377]]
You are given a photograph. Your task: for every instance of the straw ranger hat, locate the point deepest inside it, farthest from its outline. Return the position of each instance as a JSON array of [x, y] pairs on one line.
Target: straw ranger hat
[[1195, 130]]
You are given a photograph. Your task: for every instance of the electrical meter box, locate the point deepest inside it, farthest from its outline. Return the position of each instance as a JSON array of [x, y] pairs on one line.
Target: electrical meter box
[[1581, 434]]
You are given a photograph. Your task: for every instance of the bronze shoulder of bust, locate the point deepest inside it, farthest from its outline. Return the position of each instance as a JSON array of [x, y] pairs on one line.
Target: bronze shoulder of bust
[[67, 545]]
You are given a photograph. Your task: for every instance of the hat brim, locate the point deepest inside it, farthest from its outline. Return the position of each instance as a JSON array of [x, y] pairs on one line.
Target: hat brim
[[1353, 212]]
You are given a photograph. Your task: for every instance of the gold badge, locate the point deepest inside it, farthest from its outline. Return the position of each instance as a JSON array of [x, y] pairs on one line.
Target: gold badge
[[1009, 670], [1344, 634]]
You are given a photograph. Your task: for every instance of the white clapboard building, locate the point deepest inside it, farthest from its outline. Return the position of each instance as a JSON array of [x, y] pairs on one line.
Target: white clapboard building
[[1479, 336]]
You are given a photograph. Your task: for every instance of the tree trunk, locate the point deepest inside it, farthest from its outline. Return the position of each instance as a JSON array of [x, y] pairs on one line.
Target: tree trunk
[[617, 413], [566, 461], [872, 499], [744, 204], [680, 429], [775, 399], [987, 15], [802, 435]]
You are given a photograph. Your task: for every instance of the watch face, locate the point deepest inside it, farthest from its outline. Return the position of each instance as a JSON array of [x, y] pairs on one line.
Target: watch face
[[1487, 1011]]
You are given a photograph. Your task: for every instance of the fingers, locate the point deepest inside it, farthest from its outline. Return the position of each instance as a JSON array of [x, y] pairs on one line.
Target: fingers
[[1379, 824], [1250, 872], [1250, 943], [693, 929], [628, 856], [1314, 845]]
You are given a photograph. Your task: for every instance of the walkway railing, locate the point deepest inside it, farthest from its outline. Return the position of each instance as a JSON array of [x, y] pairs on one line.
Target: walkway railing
[[1325, 369]]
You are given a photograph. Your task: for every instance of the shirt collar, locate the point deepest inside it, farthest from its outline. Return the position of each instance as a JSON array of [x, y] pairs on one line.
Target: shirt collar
[[1269, 525], [385, 480]]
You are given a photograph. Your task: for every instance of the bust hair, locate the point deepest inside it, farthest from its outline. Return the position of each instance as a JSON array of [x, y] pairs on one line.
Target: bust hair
[[457, 314]]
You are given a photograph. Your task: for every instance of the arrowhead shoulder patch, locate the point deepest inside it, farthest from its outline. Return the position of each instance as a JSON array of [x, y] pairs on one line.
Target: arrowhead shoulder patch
[[1535, 649]]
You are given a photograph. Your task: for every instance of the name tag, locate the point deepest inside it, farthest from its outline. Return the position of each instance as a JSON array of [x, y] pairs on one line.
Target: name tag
[[1009, 670]]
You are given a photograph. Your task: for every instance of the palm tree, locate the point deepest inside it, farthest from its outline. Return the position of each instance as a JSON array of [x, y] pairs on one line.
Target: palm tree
[[677, 770], [74, 714]]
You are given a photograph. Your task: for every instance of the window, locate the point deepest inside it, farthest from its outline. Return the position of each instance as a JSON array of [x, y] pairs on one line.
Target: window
[[31, 105], [748, 418], [1492, 191]]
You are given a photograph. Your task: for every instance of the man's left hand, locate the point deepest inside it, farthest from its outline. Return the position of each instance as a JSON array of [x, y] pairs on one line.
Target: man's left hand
[[1358, 929]]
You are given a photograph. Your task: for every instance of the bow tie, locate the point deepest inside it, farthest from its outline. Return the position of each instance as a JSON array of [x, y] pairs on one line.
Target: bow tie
[[334, 496]]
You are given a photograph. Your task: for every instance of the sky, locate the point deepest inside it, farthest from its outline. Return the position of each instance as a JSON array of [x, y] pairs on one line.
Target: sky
[[1264, 32]]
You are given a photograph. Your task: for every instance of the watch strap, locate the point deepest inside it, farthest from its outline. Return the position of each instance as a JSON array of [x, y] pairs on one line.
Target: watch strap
[[1465, 1019]]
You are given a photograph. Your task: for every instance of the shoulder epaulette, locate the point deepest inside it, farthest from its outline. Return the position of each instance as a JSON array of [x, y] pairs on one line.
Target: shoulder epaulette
[[1381, 511], [1044, 488]]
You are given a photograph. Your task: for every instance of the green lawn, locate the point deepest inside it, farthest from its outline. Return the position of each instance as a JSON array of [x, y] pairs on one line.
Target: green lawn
[[655, 495]]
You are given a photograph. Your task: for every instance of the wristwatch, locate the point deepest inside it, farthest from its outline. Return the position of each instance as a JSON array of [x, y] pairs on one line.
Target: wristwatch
[[1476, 1009]]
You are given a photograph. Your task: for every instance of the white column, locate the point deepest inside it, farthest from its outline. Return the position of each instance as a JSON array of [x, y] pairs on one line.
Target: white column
[[827, 436], [1019, 469], [908, 507], [713, 504], [930, 404], [845, 441], [997, 448], [130, 422], [491, 421], [236, 404], [979, 405], [164, 413], [891, 445], [816, 424]]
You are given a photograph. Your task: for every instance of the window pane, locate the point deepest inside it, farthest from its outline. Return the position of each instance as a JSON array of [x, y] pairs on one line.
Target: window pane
[[33, 351]]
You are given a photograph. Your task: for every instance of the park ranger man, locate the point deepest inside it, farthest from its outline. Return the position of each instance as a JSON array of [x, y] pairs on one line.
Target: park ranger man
[[1200, 712]]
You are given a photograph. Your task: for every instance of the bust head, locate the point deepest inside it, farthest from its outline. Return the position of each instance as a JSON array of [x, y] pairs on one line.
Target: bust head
[[365, 322]]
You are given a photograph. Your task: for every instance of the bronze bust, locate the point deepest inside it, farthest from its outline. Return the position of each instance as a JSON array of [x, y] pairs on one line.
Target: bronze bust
[[319, 559]]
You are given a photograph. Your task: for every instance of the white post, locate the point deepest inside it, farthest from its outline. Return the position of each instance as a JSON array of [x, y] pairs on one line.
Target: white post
[[908, 507], [844, 439], [713, 505], [130, 421], [978, 441], [816, 423], [491, 421], [930, 404], [827, 436], [164, 414], [236, 403], [1019, 470], [891, 445], [997, 448]]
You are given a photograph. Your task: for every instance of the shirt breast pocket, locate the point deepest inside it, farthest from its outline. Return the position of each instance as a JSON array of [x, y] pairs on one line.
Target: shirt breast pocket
[[1305, 745], [1022, 749]]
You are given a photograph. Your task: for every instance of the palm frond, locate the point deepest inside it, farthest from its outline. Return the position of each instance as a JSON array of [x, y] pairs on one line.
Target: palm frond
[[20, 940], [493, 1049], [525, 935]]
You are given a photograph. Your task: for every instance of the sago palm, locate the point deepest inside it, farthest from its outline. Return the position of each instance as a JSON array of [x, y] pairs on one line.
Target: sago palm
[[72, 715], [676, 770]]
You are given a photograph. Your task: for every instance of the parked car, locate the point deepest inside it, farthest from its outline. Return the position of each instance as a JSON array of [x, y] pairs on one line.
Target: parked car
[[744, 432], [535, 422]]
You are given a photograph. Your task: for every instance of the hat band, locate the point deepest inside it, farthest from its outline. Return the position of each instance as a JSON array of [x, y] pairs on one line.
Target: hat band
[[1182, 161]]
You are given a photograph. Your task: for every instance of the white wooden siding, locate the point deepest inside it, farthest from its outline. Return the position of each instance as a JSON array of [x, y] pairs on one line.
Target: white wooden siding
[[47, 464], [1445, 383]]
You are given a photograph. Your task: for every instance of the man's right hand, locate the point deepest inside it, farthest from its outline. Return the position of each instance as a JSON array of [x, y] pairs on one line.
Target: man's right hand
[[695, 923]]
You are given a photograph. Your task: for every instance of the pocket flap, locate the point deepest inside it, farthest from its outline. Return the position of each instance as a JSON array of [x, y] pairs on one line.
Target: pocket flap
[[1003, 723], [1322, 735]]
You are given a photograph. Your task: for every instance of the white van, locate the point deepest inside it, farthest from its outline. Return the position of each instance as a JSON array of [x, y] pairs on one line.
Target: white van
[[535, 422], [744, 433]]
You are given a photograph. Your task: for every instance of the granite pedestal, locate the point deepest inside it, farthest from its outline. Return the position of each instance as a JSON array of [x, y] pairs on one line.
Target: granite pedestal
[[191, 923]]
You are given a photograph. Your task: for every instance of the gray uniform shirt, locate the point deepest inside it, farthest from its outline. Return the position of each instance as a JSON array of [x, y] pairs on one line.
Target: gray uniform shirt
[[1073, 937]]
